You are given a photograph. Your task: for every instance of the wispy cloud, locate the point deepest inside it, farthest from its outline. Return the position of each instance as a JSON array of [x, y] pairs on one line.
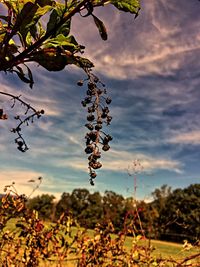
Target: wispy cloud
[[190, 138]]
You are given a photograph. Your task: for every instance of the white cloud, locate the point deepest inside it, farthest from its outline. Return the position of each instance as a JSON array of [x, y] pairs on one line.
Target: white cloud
[[187, 138], [120, 160], [20, 177]]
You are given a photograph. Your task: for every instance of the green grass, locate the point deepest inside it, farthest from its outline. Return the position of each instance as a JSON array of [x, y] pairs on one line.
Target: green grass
[[162, 249]]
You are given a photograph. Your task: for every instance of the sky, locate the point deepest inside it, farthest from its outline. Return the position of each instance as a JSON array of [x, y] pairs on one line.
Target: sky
[[151, 68]]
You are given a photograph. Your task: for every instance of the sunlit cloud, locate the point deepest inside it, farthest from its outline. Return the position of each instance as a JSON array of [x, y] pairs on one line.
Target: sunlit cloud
[[192, 138]]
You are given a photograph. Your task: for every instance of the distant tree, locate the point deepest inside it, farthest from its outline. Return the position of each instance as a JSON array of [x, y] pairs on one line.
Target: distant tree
[[156, 208], [43, 205], [79, 203], [64, 205], [113, 206], [181, 214], [93, 214], [39, 31]]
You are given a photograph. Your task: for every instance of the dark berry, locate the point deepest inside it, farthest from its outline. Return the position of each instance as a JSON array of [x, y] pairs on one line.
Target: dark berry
[[109, 137], [89, 126], [93, 175], [93, 136], [20, 143], [109, 118], [80, 83], [98, 127], [106, 147], [91, 109], [84, 104], [88, 100], [90, 117], [91, 86], [96, 165], [108, 100], [97, 155], [89, 149], [103, 115], [91, 182]]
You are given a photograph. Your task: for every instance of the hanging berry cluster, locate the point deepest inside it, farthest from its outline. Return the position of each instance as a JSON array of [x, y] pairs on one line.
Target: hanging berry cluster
[[96, 102]]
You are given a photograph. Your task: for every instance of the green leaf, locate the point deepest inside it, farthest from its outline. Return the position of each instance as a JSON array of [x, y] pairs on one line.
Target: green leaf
[[55, 17], [62, 41], [132, 6], [25, 16], [101, 27]]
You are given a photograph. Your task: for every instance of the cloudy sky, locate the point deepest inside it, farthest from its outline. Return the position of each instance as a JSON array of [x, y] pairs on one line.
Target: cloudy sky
[[151, 67]]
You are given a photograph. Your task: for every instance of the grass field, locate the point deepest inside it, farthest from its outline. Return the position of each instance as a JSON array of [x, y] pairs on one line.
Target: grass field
[[161, 249]]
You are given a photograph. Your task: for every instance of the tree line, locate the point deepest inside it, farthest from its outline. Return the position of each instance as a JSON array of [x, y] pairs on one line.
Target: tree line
[[172, 214]]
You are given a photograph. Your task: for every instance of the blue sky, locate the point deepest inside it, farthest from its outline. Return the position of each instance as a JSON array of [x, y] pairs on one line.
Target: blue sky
[[151, 67]]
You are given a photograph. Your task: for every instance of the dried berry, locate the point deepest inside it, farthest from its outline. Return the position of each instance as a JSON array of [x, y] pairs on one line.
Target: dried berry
[[90, 117], [89, 149], [108, 100], [98, 127], [89, 126], [109, 137], [20, 143], [91, 109], [93, 175], [91, 182], [91, 86], [93, 136], [97, 155], [88, 100], [105, 110], [109, 118], [80, 83], [104, 115], [84, 104], [96, 165], [106, 147]]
